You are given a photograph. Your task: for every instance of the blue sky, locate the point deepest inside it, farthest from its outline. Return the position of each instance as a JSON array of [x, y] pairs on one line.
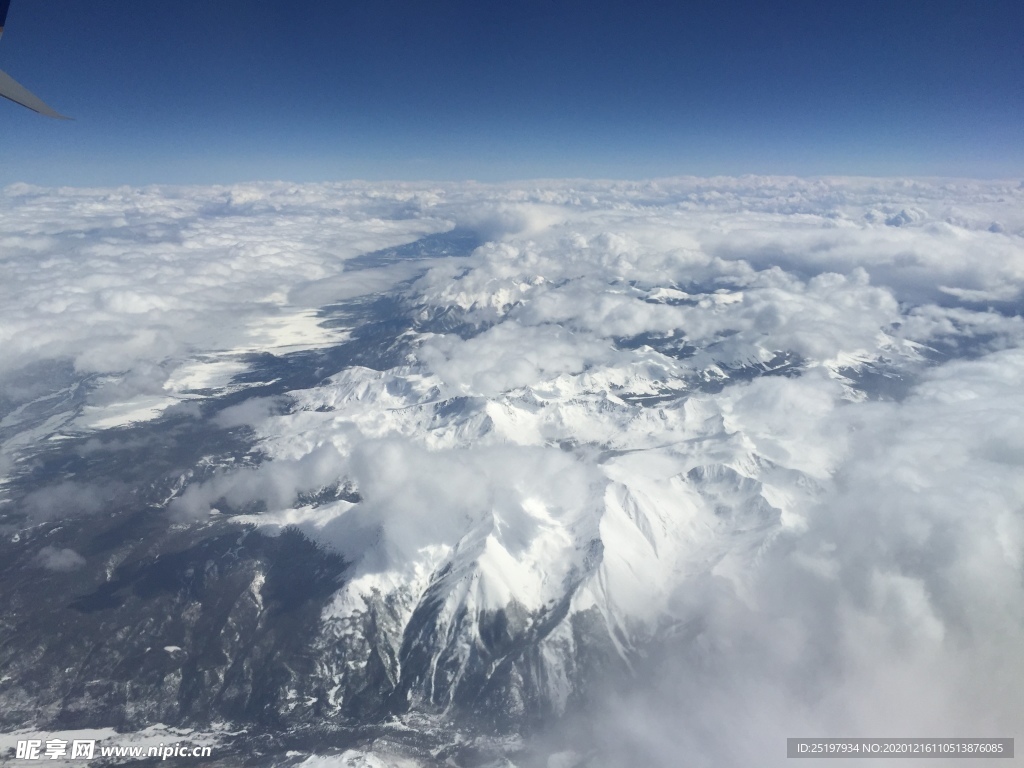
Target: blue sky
[[203, 92]]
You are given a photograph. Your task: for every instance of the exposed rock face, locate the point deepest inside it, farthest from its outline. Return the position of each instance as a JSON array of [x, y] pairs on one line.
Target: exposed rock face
[[192, 627]]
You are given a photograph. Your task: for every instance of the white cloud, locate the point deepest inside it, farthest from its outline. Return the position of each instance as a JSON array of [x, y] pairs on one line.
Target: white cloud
[[275, 485], [56, 559], [811, 557], [509, 356], [897, 610], [134, 283]]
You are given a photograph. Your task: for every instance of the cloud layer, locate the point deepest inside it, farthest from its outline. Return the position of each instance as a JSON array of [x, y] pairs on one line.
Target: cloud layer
[[767, 431], [156, 291]]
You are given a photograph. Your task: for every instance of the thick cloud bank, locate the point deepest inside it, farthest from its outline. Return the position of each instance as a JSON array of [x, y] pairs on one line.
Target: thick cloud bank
[[157, 293], [768, 433]]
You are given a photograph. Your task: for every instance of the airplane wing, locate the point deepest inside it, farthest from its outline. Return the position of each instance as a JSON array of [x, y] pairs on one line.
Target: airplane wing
[[12, 89]]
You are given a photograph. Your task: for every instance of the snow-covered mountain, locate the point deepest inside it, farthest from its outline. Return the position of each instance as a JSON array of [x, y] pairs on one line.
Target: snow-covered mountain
[[441, 500]]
